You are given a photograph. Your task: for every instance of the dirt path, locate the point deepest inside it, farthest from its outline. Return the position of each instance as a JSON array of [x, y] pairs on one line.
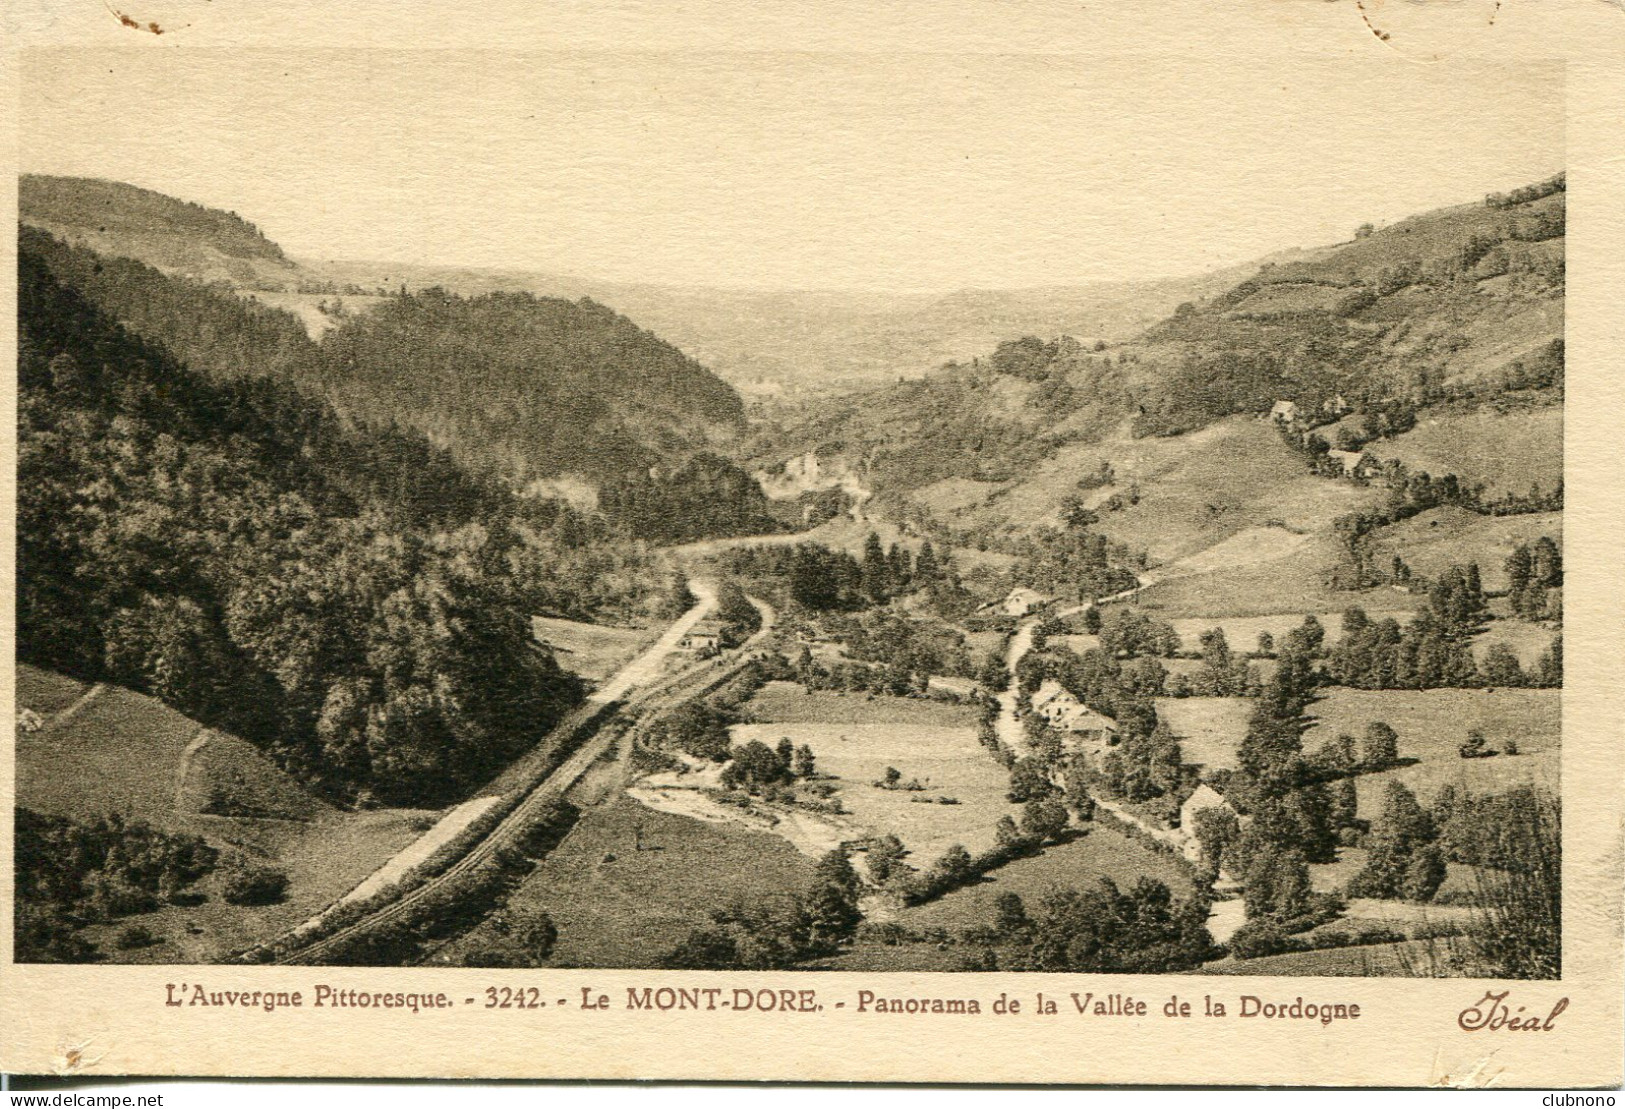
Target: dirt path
[[644, 668], [72, 710]]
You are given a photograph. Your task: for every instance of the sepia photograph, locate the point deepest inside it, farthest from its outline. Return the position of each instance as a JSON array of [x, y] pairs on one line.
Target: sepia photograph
[[914, 516]]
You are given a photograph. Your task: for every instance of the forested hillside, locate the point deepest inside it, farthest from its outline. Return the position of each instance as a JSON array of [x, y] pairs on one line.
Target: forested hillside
[[512, 386], [233, 548]]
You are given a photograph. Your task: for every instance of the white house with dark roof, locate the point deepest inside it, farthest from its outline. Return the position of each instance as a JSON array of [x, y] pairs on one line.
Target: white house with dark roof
[[1022, 601], [1205, 797], [1066, 713]]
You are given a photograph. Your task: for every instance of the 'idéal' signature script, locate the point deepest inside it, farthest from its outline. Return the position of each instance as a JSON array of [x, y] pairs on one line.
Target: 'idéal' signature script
[[1494, 1014]]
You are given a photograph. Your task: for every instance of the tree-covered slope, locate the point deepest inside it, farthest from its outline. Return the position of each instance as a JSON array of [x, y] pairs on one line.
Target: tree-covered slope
[[508, 385], [525, 386], [236, 550]]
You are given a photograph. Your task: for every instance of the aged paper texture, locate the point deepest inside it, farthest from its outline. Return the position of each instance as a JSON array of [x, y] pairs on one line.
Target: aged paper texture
[[952, 543]]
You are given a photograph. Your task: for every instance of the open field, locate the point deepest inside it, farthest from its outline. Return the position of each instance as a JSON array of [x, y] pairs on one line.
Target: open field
[[1292, 584], [1209, 729], [45, 691], [1433, 723], [591, 650], [1433, 541], [855, 737], [1384, 960], [1525, 639], [947, 760], [1099, 853], [126, 753], [791, 703], [617, 906], [1503, 452]]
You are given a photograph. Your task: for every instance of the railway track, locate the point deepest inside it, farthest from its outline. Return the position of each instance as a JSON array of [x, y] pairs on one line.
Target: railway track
[[592, 719]]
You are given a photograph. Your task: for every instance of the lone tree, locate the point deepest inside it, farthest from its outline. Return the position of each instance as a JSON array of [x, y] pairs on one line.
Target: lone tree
[[1044, 820], [806, 766], [1381, 746], [1216, 829]]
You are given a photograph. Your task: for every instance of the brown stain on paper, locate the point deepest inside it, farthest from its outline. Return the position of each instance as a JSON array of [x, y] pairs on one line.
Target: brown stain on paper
[[134, 24]]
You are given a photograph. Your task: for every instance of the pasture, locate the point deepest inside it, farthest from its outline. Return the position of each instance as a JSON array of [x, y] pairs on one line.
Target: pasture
[[1100, 852], [1291, 584], [618, 906], [1503, 452], [1526, 640], [1433, 723], [1433, 541], [1383, 960], [792, 703], [592, 651], [1209, 729], [946, 760]]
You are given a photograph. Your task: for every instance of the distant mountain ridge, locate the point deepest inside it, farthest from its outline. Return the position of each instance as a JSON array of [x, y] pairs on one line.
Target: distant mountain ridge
[[529, 387], [115, 218]]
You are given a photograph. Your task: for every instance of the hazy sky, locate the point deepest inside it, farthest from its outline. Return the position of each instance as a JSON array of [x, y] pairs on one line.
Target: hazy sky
[[792, 171]]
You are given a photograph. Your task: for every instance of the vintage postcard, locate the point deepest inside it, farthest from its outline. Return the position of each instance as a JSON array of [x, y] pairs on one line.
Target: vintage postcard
[[945, 544]]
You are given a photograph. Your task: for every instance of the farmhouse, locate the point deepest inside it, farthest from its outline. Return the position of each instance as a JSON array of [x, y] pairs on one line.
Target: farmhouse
[[702, 638], [1023, 602], [1068, 714], [1354, 463], [1285, 412], [1205, 797]]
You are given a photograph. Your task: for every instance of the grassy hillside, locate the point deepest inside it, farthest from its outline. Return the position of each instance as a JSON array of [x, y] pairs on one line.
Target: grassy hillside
[[110, 749], [125, 221], [1436, 342]]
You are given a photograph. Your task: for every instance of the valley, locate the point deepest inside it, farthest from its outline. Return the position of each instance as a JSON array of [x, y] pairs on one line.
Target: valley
[[432, 616]]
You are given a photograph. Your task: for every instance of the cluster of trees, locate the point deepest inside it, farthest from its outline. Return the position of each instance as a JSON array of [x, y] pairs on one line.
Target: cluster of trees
[[696, 728], [1074, 563], [70, 874], [914, 645], [1224, 673], [739, 618], [1434, 649], [1403, 856], [1103, 930], [1535, 579], [1028, 357], [1296, 818], [1126, 632], [776, 934], [704, 495], [757, 768], [1528, 193], [824, 580], [176, 535]]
